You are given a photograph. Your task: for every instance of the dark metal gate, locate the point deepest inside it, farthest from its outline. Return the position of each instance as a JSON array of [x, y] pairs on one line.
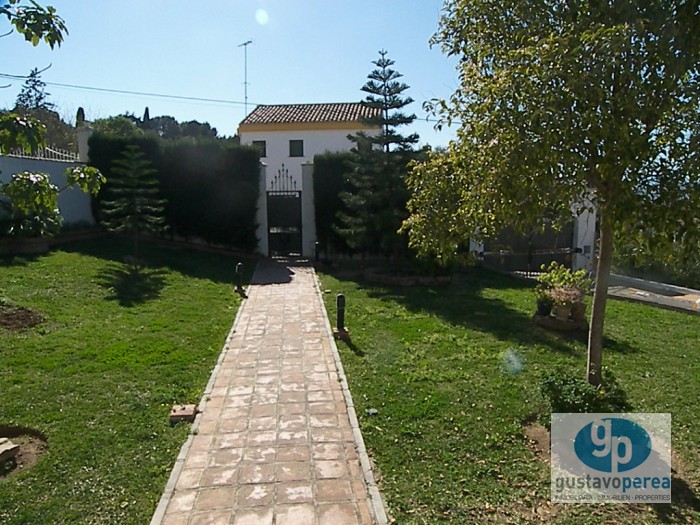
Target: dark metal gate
[[513, 252], [284, 216]]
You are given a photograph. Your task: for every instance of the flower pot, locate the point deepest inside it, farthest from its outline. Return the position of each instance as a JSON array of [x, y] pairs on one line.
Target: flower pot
[[578, 312], [562, 312], [544, 307]]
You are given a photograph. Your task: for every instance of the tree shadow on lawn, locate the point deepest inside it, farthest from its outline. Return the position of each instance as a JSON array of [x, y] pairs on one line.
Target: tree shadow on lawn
[[8, 260], [132, 285], [463, 303], [683, 497], [216, 267]]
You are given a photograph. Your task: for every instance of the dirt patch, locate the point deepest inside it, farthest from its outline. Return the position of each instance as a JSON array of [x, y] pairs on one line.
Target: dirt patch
[[537, 437], [32, 446], [18, 318]]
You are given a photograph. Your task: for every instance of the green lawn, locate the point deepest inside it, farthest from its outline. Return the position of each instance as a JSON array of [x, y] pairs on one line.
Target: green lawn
[[99, 375], [437, 364]]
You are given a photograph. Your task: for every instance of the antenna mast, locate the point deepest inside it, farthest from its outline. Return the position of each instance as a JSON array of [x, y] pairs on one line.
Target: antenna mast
[[245, 45]]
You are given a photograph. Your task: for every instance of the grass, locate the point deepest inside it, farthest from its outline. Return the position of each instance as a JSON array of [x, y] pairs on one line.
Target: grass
[[98, 376], [436, 364]]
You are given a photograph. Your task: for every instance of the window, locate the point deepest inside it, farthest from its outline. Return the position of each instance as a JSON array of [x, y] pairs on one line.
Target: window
[[262, 147], [296, 148]]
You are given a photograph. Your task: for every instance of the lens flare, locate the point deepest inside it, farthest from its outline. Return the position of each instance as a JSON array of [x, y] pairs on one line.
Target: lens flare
[[261, 17], [512, 362]]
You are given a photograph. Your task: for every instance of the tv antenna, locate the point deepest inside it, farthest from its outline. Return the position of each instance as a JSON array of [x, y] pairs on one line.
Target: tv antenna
[[245, 45]]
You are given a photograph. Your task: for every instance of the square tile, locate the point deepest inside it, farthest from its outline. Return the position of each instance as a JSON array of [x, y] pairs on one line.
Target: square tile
[[333, 490], [294, 492], [189, 478], [219, 476], [259, 454], [215, 517], [255, 495], [301, 514], [327, 451], [293, 471], [215, 498], [252, 473], [292, 453], [253, 517], [330, 469], [181, 501], [338, 514]]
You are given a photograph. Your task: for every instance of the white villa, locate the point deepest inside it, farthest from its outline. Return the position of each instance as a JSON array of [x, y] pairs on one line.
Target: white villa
[[289, 136]]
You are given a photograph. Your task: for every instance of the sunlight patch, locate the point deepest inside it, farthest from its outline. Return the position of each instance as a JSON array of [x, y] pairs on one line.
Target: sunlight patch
[[261, 17]]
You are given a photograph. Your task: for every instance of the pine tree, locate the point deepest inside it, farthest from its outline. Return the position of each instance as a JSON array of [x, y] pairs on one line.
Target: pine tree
[[376, 205], [132, 205], [33, 94], [33, 101], [386, 96]]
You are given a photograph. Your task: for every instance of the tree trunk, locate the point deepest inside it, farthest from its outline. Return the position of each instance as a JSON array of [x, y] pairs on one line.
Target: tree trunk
[[600, 295]]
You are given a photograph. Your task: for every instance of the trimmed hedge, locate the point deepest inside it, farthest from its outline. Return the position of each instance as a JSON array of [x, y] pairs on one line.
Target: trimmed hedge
[[330, 181], [211, 187]]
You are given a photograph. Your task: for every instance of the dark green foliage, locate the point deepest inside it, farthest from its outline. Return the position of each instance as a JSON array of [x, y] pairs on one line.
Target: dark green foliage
[[133, 205], [568, 392], [34, 22], [105, 148], [330, 180], [375, 200], [375, 205], [121, 126], [213, 191], [385, 94], [211, 186]]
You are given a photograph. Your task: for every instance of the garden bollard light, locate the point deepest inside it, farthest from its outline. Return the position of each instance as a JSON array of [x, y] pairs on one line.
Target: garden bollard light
[[317, 254], [341, 331], [340, 304], [239, 277]]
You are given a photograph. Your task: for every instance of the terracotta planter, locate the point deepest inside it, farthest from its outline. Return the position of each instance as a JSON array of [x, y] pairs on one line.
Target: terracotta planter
[[562, 312], [578, 312]]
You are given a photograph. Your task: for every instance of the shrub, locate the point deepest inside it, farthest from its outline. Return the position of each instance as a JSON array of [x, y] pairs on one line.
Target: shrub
[[565, 391], [557, 277]]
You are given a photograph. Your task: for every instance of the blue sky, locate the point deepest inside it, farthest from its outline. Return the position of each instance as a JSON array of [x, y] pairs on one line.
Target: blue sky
[[303, 51]]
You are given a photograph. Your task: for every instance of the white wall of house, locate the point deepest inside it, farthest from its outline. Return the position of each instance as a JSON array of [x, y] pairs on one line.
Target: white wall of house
[[585, 240], [277, 148], [261, 214], [73, 203], [277, 155]]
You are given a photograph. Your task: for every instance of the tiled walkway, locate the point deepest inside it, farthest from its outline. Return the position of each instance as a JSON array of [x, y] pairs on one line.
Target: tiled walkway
[[277, 442]]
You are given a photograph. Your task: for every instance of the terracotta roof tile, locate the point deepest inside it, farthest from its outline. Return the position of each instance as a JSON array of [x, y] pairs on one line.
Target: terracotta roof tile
[[297, 113]]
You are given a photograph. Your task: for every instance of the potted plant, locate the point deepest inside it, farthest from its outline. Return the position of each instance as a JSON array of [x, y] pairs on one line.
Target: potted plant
[[570, 285], [564, 297], [543, 300]]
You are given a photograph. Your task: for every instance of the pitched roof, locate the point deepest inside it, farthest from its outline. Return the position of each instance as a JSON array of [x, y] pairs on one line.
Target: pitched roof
[[309, 113]]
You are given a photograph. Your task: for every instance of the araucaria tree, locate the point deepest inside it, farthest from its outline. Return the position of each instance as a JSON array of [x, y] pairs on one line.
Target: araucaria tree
[[560, 102], [376, 204], [132, 205]]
